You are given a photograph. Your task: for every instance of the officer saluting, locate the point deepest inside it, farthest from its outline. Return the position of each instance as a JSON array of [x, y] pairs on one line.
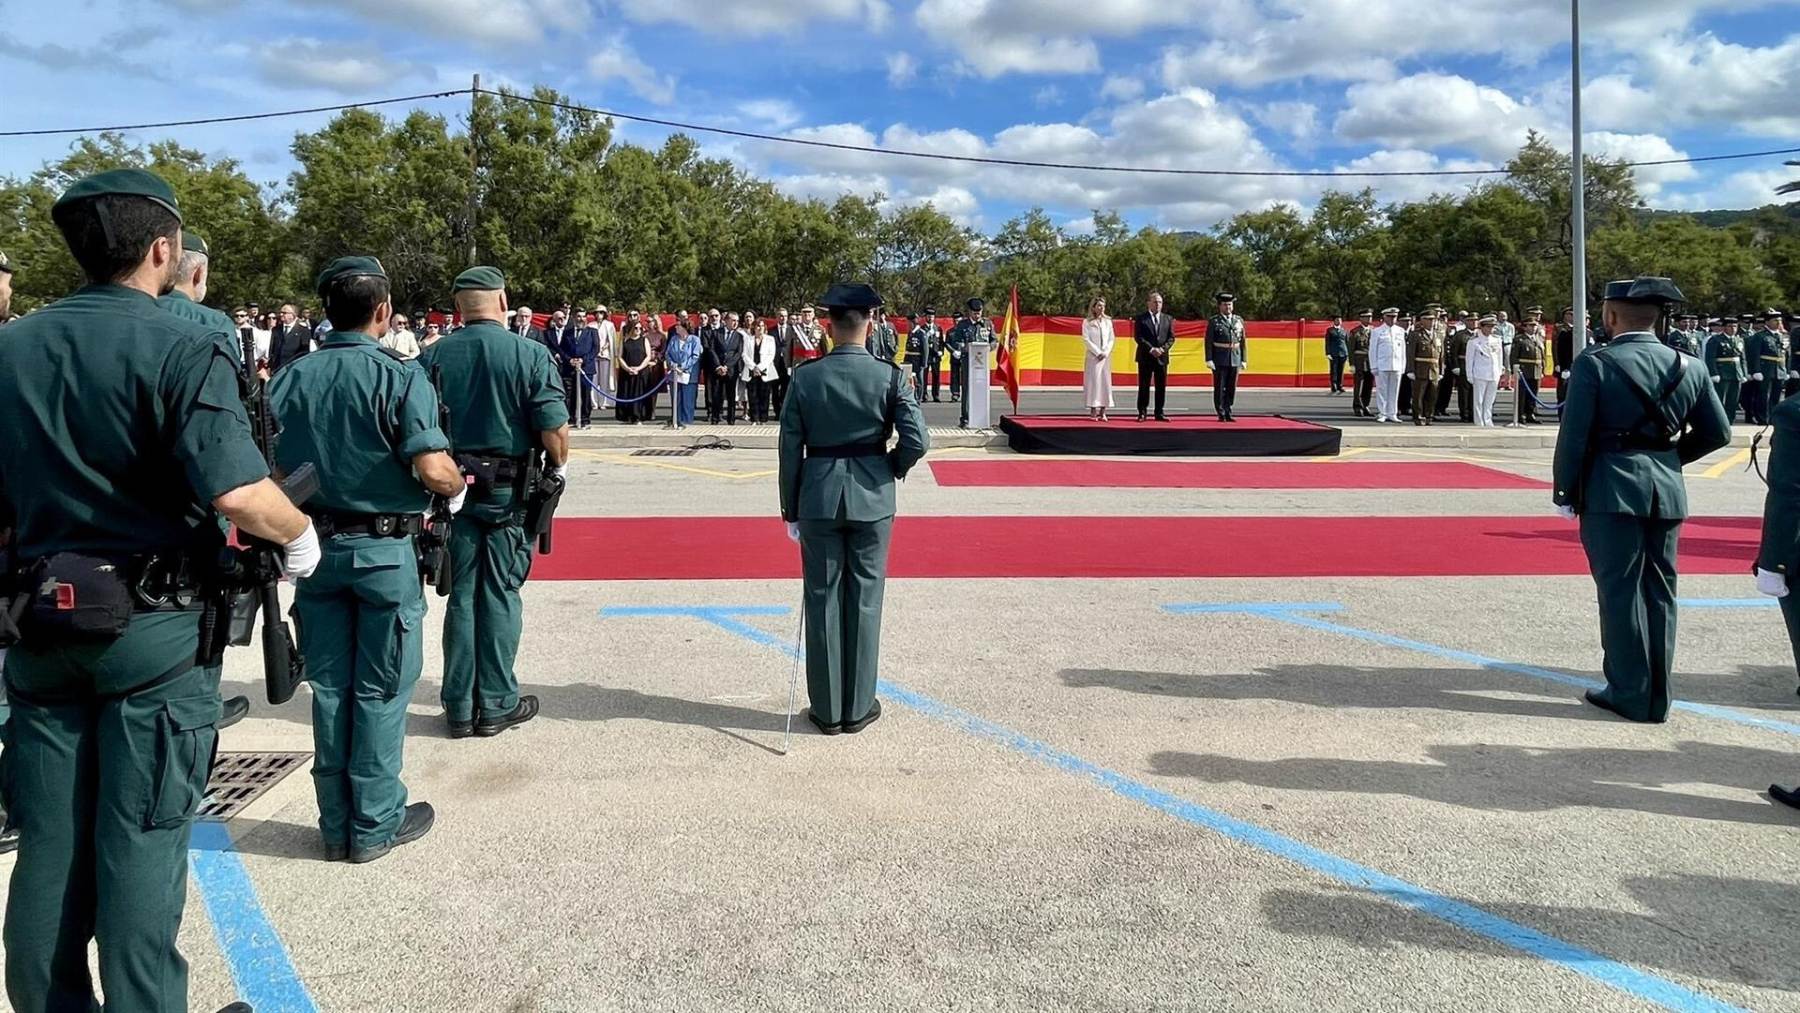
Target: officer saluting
[[506, 403], [837, 497], [124, 429], [368, 419], [1636, 412]]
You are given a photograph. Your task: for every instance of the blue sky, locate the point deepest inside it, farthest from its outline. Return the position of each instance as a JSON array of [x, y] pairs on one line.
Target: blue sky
[[1239, 84]]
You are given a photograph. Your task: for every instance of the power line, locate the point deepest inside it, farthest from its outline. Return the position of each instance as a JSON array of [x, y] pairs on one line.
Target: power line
[[1020, 163]]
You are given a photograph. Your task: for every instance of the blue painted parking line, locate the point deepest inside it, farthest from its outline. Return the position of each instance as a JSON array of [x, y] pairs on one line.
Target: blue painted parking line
[[260, 967], [1293, 615], [1728, 603], [1612, 973]]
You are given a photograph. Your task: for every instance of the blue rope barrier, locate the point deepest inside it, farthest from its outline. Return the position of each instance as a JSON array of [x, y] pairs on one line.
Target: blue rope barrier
[[660, 384]]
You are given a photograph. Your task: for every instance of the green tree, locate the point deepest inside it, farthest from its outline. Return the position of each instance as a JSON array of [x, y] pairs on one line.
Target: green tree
[[1278, 242], [1349, 243]]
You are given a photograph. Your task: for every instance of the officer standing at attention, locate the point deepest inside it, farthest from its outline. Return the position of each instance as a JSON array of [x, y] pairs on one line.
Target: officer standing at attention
[[192, 274], [837, 497], [1636, 413], [506, 401], [1362, 378], [973, 327], [124, 429], [1337, 351], [1425, 366], [1725, 362], [884, 340], [924, 343], [1528, 361], [1769, 365], [1225, 353], [368, 419]]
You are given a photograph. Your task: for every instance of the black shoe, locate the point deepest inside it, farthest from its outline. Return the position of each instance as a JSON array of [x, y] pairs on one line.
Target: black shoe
[[336, 852], [1786, 796], [852, 727], [1140, 416], [819, 723], [525, 711], [233, 711], [461, 729], [9, 841], [1602, 699], [414, 825], [1160, 417]]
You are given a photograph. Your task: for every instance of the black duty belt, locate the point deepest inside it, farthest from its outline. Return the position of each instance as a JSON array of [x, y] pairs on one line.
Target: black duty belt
[[334, 522], [1616, 442], [849, 450], [173, 581]]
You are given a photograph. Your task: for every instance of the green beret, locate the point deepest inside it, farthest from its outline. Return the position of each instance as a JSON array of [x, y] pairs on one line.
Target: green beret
[[479, 279], [121, 183], [192, 243], [348, 267]]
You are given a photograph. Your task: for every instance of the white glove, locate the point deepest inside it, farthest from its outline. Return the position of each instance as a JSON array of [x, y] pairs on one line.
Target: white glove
[[456, 501], [793, 532], [1770, 583], [1565, 374], [1458, 372], [1794, 374], [562, 471], [1756, 376], [1715, 379], [300, 557], [1567, 513], [1410, 376]]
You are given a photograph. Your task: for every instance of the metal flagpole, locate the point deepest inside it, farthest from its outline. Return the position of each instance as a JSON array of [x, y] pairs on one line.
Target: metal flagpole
[[1578, 186]]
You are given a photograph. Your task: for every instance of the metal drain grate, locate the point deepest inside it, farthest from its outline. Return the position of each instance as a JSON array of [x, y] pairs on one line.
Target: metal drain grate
[[672, 452], [239, 779]]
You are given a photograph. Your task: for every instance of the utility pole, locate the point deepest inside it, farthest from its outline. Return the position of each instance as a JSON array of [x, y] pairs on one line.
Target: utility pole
[[474, 209], [1577, 185]]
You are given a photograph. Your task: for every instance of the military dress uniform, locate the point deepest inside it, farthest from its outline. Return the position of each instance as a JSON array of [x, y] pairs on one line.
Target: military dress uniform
[[502, 393], [1225, 354], [884, 342], [360, 413], [1362, 378], [923, 346], [1456, 378], [1425, 361], [837, 485], [1725, 364], [123, 424], [1636, 413], [1768, 351], [1528, 363], [970, 330]]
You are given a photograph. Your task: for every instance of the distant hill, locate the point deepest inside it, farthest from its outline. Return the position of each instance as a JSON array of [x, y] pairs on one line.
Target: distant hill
[[1725, 219]]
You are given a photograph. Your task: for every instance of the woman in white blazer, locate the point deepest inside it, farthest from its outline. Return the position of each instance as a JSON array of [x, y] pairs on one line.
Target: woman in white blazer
[[759, 368], [1096, 378], [1483, 363]]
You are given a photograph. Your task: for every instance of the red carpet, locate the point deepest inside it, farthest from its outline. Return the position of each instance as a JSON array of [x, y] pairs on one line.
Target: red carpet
[[1229, 475], [734, 548]]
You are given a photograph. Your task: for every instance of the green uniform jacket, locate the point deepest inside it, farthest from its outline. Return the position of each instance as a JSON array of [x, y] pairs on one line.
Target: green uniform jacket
[[1528, 355], [1768, 354], [502, 393], [359, 414], [1226, 344], [1642, 483], [847, 398], [967, 331], [1725, 357], [1780, 551], [884, 342], [122, 424], [1425, 353], [1456, 350], [178, 303], [1359, 346]]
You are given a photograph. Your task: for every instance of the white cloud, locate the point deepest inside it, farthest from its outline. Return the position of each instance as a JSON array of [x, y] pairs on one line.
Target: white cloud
[[615, 61], [1681, 81], [901, 68], [754, 17], [1048, 95], [353, 69], [776, 112], [1298, 120], [996, 37], [1751, 188], [1122, 89], [1651, 179], [1430, 110], [487, 22], [1399, 189]]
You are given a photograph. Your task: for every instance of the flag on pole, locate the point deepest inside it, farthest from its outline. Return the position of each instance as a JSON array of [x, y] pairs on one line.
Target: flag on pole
[[1008, 363]]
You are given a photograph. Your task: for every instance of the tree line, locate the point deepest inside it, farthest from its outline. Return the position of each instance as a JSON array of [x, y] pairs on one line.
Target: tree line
[[549, 195]]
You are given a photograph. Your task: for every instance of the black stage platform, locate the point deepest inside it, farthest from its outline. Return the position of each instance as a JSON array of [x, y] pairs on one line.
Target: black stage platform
[[1181, 436]]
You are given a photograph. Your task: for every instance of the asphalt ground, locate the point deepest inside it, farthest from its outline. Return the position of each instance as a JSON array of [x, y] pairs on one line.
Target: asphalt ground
[[1306, 794]]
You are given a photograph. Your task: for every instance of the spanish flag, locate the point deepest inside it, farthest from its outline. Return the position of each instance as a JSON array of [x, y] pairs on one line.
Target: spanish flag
[[1007, 364]]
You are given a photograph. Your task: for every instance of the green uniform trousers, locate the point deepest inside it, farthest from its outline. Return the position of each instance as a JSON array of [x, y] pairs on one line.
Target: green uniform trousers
[[360, 618], [1633, 563], [844, 566], [1728, 396], [488, 565], [107, 754]]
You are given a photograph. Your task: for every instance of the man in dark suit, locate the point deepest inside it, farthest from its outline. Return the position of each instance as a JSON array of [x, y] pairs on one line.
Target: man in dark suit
[[579, 346], [522, 326], [778, 392], [721, 357], [291, 339], [1154, 331], [1636, 413]]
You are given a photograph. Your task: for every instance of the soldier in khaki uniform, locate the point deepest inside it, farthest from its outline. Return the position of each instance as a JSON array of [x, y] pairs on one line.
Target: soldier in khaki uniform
[[837, 496], [1425, 366], [1362, 377], [1528, 362]]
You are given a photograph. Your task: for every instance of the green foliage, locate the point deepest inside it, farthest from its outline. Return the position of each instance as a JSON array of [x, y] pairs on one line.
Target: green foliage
[[548, 195]]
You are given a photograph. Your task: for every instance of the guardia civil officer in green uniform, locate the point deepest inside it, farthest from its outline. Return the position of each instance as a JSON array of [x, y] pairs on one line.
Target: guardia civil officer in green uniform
[[1779, 557], [506, 401], [1725, 363], [124, 432], [368, 420], [1768, 349], [837, 496], [972, 328], [1636, 413], [884, 340]]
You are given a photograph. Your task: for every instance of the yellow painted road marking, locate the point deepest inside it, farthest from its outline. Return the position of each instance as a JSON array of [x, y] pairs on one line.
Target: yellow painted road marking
[[1440, 456], [1735, 460], [1352, 452], [652, 462]]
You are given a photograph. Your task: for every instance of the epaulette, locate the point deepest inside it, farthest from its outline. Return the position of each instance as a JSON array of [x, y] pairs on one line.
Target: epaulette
[[392, 354]]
